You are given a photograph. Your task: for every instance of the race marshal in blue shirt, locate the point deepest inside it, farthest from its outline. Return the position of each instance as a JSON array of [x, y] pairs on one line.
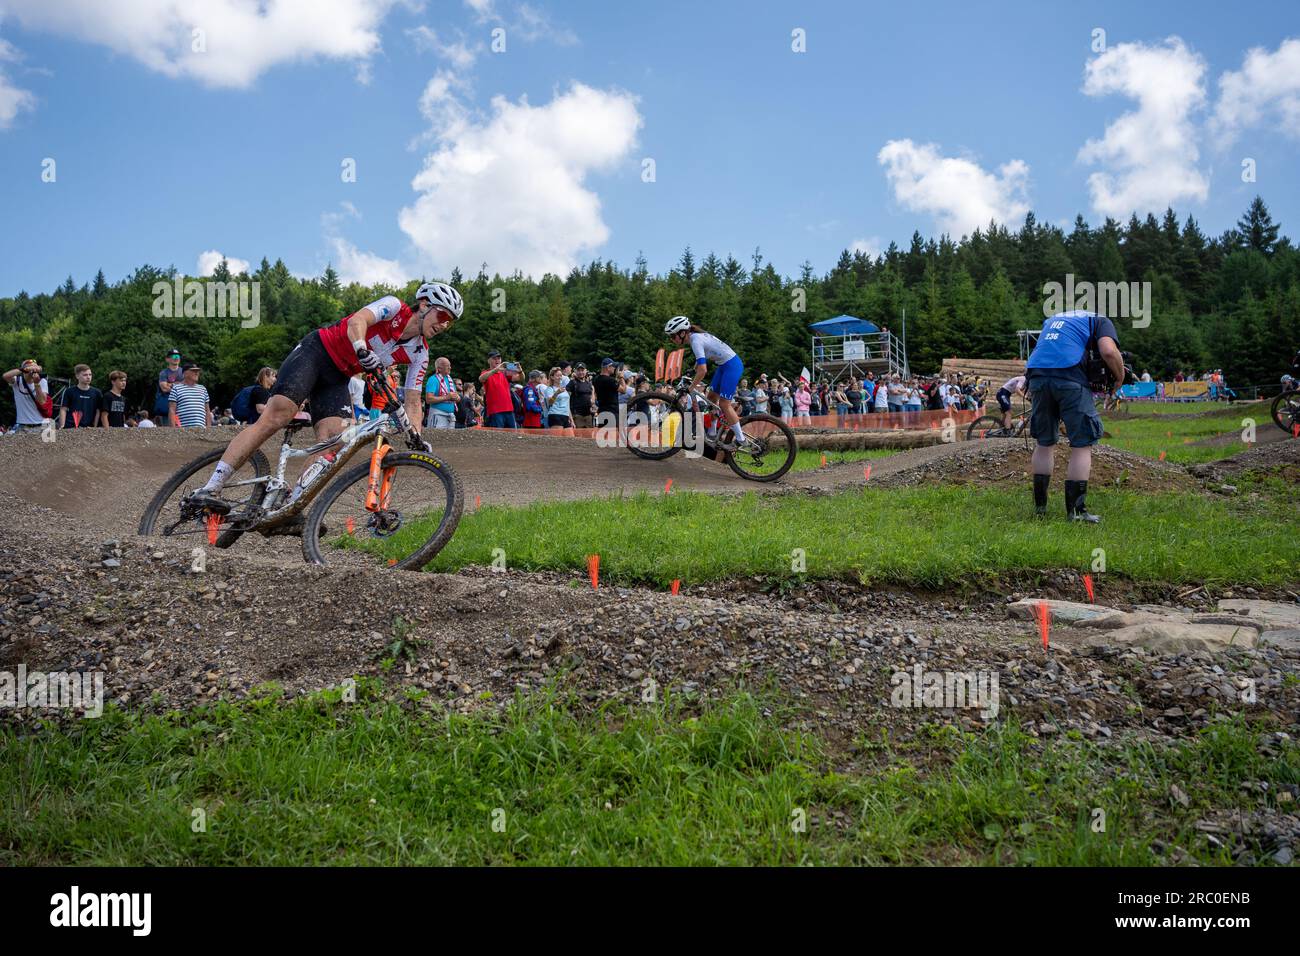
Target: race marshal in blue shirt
[[1058, 384]]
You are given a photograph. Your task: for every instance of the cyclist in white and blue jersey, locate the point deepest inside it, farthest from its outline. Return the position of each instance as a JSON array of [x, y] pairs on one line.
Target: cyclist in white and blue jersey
[[726, 374]]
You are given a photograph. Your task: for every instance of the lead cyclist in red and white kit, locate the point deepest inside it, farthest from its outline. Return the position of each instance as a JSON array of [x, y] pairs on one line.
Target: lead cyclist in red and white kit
[[386, 332]]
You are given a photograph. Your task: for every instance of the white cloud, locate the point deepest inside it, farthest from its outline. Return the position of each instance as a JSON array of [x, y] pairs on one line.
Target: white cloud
[[13, 100], [1148, 156], [959, 193], [242, 38], [1266, 87], [460, 54], [208, 262], [529, 22], [353, 264], [870, 247], [535, 24], [509, 189]]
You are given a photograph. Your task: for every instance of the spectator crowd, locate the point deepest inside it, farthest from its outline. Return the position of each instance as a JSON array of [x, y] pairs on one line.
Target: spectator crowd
[[501, 395]]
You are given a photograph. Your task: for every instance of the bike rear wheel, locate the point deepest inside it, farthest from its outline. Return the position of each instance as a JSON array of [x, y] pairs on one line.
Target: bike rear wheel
[[655, 432], [163, 514], [1286, 411], [424, 506], [775, 451]]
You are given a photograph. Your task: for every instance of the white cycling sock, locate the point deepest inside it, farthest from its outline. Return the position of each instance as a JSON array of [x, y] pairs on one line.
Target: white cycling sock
[[219, 476], [740, 435]]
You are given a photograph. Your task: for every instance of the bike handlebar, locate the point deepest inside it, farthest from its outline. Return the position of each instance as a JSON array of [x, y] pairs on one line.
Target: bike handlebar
[[381, 385]]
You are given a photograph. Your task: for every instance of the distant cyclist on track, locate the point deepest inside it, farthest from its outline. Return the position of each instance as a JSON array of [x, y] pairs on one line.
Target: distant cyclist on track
[[386, 332], [726, 375]]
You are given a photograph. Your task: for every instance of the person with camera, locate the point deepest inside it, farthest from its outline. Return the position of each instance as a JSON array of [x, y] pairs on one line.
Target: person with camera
[[31, 395], [496, 379], [1077, 353]]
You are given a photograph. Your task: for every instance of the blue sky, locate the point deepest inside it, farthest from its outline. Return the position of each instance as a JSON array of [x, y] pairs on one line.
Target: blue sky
[[164, 153]]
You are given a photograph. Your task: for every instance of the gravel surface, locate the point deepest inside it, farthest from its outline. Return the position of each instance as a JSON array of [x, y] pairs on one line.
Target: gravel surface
[[79, 591]]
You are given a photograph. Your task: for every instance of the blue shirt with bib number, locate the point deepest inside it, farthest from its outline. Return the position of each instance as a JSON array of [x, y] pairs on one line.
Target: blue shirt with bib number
[[1063, 343]]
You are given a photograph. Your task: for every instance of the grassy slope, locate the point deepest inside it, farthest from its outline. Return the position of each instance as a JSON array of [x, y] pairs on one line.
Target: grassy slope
[[318, 781]]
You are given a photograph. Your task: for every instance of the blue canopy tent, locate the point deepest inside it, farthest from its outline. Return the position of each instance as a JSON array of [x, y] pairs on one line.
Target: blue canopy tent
[[848, 346], [844, 325]]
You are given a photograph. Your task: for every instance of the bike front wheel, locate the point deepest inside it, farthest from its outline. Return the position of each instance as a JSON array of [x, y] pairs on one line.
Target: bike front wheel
[[1286, 411], [421, 505], [772, 452], [986, 426]]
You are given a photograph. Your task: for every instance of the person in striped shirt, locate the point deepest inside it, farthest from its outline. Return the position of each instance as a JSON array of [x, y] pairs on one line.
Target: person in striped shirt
[[188, 400]]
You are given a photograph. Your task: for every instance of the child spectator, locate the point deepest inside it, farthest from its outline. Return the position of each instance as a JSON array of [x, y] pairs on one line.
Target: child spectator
[[112, 406], [81, 402]]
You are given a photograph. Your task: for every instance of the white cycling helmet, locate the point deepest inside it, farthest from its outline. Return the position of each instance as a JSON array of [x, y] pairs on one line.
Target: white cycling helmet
[[678, 323], [442, 295]]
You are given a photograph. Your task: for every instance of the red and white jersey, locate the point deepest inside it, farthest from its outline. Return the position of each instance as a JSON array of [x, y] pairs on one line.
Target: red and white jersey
[[392, 317]]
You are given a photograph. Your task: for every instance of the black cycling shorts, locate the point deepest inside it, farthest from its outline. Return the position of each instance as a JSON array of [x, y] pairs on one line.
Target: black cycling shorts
[[309, 373], [1004, 399]]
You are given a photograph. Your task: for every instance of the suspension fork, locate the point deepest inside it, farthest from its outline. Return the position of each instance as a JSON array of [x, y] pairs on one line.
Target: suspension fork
[[380, 485]]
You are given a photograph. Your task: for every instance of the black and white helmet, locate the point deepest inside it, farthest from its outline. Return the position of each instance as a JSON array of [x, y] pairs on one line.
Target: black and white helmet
[[678, 323], [442, 295]]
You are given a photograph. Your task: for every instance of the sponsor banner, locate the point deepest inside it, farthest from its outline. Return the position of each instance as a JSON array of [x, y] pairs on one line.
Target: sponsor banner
[[1187, 389]]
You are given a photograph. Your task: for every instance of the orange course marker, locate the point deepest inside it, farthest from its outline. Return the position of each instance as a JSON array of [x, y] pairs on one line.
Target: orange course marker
[[668, 486], [1162, 456], [478, 502], [823, 459], [677, 586], [352, 525], [1044, 620], [593, 569], [1087, 586], [866, 473], [214, 526]]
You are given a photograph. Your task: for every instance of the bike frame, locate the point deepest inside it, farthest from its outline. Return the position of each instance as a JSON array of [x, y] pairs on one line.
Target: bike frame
[[348, 442]]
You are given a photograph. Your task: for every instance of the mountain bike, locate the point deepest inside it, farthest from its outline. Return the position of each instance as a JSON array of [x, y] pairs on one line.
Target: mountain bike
[[1109, 402], [990, 426], [1286, 410], [403, 505], [660, 424]]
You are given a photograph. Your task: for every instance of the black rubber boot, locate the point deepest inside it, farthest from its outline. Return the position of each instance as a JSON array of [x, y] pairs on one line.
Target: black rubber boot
[[1040, 494], [1076, 508]]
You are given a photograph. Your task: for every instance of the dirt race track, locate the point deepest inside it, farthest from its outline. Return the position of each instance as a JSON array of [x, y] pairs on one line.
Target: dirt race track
[[170, 637], [498, 467]]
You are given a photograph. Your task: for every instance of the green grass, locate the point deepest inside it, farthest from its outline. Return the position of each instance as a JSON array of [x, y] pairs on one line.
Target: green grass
[[1144, 409], [1149, 435], [931, 536], [807, 459], [318, 781]]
